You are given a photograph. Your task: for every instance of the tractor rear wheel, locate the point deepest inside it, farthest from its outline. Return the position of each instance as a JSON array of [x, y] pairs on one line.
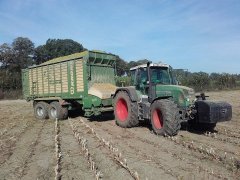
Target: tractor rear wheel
[[41, 110], [125, 110], [165, 117], [57, 111]]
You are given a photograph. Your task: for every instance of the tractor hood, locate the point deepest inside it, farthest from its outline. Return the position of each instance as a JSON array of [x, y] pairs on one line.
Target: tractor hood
[[102, 90], [181, 95]]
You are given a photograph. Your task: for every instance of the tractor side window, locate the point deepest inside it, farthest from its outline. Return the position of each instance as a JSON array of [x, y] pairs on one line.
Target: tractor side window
[[143, 75], [154, 77], [133, 77], [165, 77], [142, 80]]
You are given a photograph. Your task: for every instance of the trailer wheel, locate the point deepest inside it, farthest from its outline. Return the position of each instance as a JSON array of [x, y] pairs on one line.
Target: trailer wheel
[[125, 110], [56, 111], [165, 117], [41, 110]]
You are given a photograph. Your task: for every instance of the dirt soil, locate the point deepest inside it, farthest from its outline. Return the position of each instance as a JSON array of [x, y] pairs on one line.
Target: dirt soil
[[81, 148]]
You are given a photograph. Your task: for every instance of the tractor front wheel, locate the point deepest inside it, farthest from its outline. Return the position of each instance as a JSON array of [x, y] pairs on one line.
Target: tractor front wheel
[[125, 110], [165, 117]]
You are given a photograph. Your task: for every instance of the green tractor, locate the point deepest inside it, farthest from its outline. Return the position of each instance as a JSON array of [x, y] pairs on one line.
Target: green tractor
[[156, 96]]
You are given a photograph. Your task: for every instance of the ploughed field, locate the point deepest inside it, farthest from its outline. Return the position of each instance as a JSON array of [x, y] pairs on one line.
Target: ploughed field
[[79, 148]]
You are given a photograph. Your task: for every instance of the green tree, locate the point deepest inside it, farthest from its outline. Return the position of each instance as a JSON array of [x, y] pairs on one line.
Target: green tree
[[199, 81], [41, 54], [226, 81], [23, 50], [182, 75], [55, 48], [121, 66], [6, 55], [13, 58]]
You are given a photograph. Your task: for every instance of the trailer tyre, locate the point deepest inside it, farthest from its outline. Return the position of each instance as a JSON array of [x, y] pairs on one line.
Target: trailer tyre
[[165, 117], [125, 110], [41, 110], [57, 111]]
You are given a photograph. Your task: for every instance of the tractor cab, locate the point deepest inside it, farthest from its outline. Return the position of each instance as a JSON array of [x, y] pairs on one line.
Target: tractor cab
[[156, 81], [159, 73]]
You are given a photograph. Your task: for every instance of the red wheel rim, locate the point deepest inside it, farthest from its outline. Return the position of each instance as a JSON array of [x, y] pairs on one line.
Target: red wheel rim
[[122, 109], [157, 119]]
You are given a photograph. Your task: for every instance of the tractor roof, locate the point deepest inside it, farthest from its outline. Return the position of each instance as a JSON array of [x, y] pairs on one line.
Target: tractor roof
[[151, 65]]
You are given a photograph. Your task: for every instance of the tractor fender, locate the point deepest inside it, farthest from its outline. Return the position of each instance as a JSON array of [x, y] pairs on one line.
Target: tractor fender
[[131, 92], [162, 97]]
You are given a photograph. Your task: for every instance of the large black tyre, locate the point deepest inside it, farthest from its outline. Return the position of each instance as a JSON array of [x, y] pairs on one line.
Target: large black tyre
[[41, 110], [125, 111], [56, 111], [165, 117]]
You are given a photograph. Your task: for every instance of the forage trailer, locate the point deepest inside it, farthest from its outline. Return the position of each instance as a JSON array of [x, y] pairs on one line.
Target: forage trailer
[[84, 80]]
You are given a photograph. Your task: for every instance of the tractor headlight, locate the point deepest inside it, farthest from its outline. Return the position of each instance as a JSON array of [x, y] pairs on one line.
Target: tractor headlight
[[181, 99], [190, 95]]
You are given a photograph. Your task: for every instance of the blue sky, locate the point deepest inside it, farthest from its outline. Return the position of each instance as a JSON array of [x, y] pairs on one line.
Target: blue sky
[[198, 35]]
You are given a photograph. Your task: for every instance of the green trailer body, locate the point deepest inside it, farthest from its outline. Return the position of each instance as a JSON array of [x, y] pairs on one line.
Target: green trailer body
[[86, 79]]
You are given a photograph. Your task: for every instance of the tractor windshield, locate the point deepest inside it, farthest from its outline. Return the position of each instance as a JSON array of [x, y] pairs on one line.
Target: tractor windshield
[[161, 75]]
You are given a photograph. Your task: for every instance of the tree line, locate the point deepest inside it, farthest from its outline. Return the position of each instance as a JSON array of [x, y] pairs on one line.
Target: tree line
[[22, 53], [202, 81]]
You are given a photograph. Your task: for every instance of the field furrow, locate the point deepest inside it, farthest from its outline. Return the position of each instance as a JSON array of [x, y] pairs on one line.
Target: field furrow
[[174, 158], [103, 158], [23, 151], [40, 164], [74, 165], [96, 148]]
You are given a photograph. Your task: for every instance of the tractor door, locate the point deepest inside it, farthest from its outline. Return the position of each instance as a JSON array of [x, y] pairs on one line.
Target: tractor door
[[141, 81]]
